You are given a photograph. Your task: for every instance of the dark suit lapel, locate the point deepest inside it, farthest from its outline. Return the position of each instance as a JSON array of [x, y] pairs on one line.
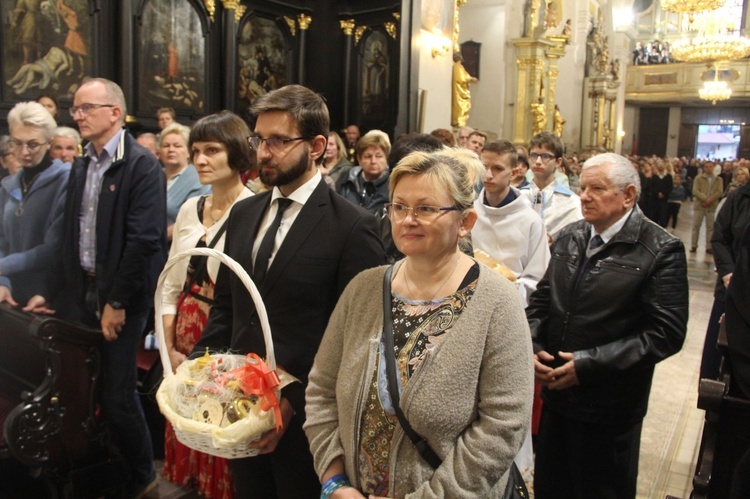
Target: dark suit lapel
[[303, 226]]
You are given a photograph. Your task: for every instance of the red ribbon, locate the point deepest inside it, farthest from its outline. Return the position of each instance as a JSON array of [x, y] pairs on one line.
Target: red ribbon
[[256, 378]]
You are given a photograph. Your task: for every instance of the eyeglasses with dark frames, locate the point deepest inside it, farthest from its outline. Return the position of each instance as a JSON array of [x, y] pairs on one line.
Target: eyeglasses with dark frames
[[275, 144], [85, 109]]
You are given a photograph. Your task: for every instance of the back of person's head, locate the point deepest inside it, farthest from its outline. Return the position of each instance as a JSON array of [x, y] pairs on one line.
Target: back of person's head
[[66, 131], [469, 161], [114, 93], [32, 114], [178, 129], [445, 135], [549, 141], [502, 146], [230, 130], [412, 142], [369, 140], [307, 108], [621, 172], [444, 172]]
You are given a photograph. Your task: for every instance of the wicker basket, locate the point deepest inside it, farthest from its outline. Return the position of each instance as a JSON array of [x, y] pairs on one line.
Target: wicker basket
[[205, 437]]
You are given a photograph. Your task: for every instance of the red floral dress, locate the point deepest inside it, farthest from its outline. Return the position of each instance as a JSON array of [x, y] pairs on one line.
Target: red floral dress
[[182, 465]]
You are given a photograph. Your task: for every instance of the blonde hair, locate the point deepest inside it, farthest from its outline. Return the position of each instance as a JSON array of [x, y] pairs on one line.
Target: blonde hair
[[469, 160], [176, 128], [445, 172]]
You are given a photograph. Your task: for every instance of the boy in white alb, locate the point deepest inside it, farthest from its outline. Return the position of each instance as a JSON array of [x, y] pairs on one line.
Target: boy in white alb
[[507, 228], [556, 204]]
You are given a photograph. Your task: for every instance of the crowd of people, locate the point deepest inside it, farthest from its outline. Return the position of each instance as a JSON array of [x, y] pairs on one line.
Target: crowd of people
[[417, 363]]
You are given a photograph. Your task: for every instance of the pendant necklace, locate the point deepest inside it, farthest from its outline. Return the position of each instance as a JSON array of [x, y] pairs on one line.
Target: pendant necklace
[[406, 281], [24, 191]]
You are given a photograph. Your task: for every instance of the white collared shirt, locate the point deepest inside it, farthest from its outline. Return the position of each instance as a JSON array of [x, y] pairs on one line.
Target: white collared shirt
[[613, 229], [299, 198]]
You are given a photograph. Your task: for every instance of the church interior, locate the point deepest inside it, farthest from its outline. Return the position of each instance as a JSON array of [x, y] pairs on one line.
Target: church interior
[[635, 77]]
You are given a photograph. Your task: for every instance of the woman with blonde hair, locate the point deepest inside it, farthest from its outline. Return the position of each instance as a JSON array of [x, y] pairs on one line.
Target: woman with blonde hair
[[435, 347], [335, 163]]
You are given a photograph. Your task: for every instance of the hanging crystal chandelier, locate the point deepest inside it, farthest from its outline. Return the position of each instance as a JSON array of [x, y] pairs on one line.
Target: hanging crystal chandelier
[[718, 40], [715, 90], [691, 6]]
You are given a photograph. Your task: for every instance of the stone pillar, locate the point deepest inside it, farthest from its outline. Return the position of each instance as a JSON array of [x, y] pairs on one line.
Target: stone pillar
[[304, 23], [347, 26]]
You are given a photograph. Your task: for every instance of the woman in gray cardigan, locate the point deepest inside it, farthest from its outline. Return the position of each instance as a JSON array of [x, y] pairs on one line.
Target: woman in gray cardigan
[[463, 355]]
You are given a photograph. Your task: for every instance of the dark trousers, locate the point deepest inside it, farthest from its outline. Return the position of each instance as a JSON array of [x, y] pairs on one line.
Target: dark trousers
[[711, 360], [673, 211], [120, 403], [740, 485], [585, 460], [285, 473]]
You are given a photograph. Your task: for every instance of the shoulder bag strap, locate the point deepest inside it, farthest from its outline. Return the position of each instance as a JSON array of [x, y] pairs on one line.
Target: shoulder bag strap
[[390, 367], [201, 267]]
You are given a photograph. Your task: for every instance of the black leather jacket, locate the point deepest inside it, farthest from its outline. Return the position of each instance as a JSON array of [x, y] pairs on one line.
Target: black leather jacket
[[628, 311]]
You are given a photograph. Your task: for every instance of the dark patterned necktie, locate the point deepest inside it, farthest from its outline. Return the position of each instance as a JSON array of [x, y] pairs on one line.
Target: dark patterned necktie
[[266, 246]]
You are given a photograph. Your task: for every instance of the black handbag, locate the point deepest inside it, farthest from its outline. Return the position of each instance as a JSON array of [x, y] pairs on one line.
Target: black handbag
[[516, 488]]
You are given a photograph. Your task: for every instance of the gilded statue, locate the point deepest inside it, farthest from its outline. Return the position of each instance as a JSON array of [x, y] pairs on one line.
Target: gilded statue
[[461, 95], [539, 113], [557, 122], [551, 16]]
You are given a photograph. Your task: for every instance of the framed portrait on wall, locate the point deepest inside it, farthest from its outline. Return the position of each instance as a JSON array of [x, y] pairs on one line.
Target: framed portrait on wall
[[264, 63], [47, 48], [171, 57], [375, 75]]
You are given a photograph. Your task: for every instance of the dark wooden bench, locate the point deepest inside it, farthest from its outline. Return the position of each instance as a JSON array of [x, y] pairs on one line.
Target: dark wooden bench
[[726, 432], [48, 404]]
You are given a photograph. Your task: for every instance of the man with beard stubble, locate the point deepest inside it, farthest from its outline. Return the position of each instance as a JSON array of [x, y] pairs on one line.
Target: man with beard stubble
[[302, 243]]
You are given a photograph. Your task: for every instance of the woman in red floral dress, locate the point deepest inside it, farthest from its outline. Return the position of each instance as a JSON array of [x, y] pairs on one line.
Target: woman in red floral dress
[[220, 152]]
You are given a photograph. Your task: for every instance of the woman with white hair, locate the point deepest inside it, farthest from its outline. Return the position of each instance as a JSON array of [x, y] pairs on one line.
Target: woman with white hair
[[182, 178], [31, 205]]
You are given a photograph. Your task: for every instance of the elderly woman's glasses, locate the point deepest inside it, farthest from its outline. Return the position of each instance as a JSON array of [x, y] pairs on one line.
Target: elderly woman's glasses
[[274, 144], [424, 212], [31, 146]]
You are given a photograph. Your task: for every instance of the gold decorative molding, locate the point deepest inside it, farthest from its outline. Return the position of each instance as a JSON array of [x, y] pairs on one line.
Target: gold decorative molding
[[347, 26], [211, 8], [390, 28], [239, 12], [397, 15], [304, 21], [358, 33], [236, 6], [292, 25]]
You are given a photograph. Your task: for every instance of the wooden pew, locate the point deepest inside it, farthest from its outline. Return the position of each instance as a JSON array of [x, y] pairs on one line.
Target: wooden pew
[[48, 405], [726, 432]]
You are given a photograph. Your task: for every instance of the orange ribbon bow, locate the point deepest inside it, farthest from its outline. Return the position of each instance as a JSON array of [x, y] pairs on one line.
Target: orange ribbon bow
[[256, 378]]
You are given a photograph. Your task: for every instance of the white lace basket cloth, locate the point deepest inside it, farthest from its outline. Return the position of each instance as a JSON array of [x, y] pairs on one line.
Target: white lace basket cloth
[[231, 441]]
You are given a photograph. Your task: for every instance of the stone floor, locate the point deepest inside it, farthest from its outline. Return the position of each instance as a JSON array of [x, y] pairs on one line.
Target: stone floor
[[672, 428]]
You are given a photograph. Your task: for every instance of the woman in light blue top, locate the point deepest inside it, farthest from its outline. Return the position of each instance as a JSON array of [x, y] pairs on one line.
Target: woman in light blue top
[[182, 179], [31, 205]]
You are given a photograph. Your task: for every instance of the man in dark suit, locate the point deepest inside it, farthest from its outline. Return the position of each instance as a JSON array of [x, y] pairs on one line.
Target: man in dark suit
[[317, 242]]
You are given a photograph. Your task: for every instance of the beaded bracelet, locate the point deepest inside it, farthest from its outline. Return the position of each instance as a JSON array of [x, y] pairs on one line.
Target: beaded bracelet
[[332, 484]]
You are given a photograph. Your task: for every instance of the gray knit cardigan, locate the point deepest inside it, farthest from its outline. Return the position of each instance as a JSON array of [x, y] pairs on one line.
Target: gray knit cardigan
[[470, 398]]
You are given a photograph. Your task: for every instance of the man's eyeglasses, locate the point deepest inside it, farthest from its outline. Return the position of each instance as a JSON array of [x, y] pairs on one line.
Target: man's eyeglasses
[[424, 212], [32, 146], [274, 144], [85, 109], [545, 156]]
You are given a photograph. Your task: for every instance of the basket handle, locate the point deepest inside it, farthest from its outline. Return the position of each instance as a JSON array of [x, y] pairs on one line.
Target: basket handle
[[246, 280]]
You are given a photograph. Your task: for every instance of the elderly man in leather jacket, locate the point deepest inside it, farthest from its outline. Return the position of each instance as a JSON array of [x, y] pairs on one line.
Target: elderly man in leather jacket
[[613, 303]]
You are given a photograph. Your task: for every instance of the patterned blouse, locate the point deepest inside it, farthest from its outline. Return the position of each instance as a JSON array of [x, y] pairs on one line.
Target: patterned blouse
[[418, 327]]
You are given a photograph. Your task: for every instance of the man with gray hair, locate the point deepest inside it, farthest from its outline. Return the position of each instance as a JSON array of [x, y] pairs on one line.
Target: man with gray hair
[[65, 145], [613, 303], [113, 251]]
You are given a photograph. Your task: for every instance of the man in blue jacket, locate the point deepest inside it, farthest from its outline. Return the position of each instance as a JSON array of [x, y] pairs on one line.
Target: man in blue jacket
[[113, 251]]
